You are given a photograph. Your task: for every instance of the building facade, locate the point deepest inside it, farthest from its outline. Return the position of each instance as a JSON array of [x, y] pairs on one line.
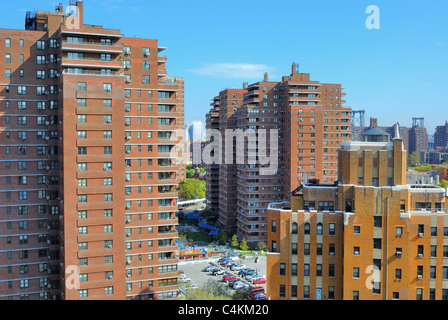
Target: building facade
[[89, 121], [310, 121], [441, 136], [353, 241]]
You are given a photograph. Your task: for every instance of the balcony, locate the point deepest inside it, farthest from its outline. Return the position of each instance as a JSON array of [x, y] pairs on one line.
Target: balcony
[[92, 47], [91, 63], [93, 73]]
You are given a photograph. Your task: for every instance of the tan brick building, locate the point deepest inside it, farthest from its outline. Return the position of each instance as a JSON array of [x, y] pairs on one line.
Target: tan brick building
[[88, 122], [330, 241]]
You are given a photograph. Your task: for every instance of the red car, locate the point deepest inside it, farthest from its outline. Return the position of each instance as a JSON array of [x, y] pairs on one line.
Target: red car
[[229, 278], [259, 280]]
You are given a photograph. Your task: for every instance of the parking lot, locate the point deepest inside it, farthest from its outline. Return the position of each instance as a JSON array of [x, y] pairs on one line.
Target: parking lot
[[194, 271]]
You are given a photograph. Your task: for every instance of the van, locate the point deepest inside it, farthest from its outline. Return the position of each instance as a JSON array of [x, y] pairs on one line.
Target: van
[[255, 290]]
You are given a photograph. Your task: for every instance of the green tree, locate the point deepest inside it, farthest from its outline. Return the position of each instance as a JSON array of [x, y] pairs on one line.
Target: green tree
[[191, 189], [190, 173], [211, 290], [413, 159], [443, 184], [234, 242], [261, 245], [243, 245], [425, 167], [222, 237]]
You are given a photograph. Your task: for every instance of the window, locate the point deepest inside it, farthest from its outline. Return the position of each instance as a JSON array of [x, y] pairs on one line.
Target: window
[[306, 270], [306, 292], [294, 228], [376, 243], [319, 229], [82, 86], [421, 229], [397, 274], [107, 87], [399, 231], [432, 272], [419, 294], [307, 228], [7, 58], [282, 291], [331, 229], [356, 273], [82, 118], [82, 150], [293, 248], [356, 251], [377, 221], [282, 269], [40, 60], [21, 90], [331, 249], [7, 43], [82, 134], [273, 226], [318, 249], [433, 231], [318, 270]]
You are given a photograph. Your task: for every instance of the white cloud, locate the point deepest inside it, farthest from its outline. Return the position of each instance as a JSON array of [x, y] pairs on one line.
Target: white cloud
[[233, 70]]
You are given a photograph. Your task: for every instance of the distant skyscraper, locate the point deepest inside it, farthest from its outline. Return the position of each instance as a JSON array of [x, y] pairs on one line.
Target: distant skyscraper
[[441, 136], [195, 131]]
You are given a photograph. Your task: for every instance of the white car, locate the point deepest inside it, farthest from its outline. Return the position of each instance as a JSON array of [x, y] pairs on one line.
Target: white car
[[239, 285], [252, 277], [238, 267], [184, 278]]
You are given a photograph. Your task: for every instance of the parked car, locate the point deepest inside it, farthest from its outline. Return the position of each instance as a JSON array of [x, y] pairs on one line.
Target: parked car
[[250, 274], [184, 278], [240, 286], [244, 271], [229, 277], [259, 280], [194, 286], [238, 267], [224, 261], [210, 268], [251, 277], [260, 296], [219, 272], [254, 291]]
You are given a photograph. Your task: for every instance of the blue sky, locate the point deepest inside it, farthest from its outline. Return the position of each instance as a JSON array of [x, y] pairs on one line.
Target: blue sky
[[395, 73]]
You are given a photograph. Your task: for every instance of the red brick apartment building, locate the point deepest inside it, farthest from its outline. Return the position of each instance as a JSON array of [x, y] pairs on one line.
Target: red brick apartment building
[[331, 240], [311, 122], [87, 121]]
